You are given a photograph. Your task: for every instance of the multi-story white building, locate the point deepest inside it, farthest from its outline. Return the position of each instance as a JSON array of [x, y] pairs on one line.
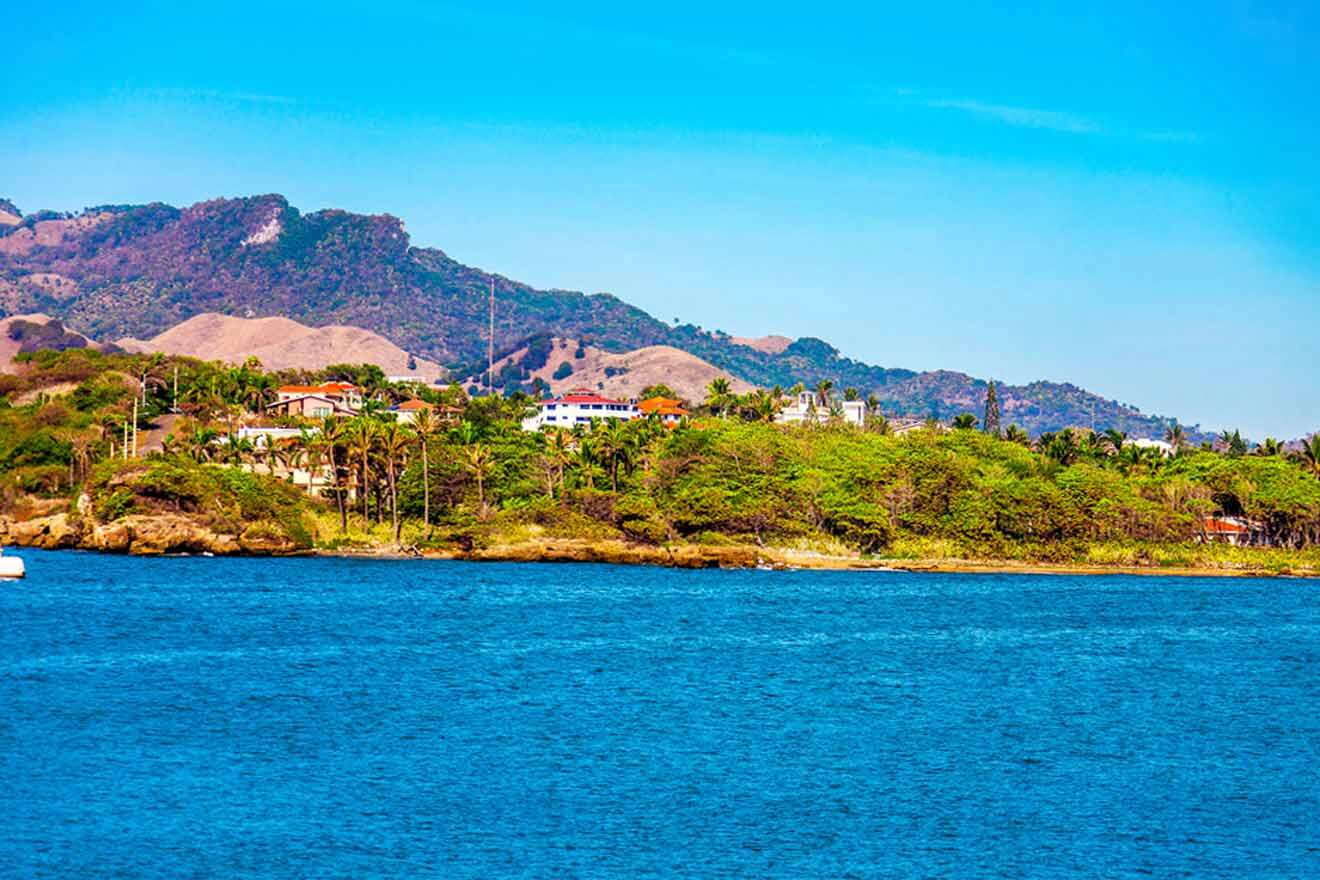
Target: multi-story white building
[[578, 407], [808, 407]]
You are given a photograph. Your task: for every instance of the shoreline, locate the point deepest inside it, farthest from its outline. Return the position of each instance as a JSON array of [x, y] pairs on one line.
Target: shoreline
[[172, 534], [746, 557]]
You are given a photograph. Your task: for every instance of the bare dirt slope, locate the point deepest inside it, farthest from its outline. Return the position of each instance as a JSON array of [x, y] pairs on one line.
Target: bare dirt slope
[[9, 346], [764, 344], [632, 371], [280, 343]]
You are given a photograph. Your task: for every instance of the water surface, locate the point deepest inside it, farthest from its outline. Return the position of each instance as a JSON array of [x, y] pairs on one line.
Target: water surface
[[352, 718]]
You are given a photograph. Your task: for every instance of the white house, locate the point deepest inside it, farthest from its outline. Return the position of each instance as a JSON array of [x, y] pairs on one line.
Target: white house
[[809, 407], [578, 407], [1166, 449]]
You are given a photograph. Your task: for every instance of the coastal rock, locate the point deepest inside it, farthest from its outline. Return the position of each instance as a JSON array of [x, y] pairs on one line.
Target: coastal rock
[[156, 535], [47, 532], [265, 542], [111, 538]]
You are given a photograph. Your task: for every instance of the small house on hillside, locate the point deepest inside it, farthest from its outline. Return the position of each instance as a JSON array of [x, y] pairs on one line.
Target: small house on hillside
[[578, 407], [668, 409], [316, 401], [406, 412]]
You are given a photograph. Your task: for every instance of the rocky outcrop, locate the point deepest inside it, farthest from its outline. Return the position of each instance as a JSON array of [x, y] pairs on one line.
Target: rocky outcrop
[[141, 535]]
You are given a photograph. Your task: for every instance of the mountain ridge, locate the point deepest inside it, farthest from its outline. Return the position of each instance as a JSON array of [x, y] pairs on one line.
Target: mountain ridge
[[137, 270]]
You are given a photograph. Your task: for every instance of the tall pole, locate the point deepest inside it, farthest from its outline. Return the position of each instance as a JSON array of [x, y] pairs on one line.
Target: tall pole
[[490, 344]]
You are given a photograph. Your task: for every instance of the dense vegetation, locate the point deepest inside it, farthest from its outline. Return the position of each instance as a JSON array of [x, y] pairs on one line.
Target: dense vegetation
[[730, 476], [146, 268]]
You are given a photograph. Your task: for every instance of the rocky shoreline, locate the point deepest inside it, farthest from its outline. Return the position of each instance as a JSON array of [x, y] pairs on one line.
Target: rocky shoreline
[[140, 535], [166, 534]]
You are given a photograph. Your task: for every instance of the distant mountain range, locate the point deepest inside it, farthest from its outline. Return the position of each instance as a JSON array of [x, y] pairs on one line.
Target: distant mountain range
[[116, 271]]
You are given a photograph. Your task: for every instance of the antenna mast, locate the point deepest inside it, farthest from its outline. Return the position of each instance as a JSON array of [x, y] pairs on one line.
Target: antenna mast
[[490, 344]]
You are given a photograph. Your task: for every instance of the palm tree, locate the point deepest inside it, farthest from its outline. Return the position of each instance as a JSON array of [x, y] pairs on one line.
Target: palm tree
[[333, 434], [480, 463], [1015, 434], [1269, 447], [559, 449], [851, 394], [395, 441], [717, 395], [1114, 440], [823, 389], [964, 422], [312, 446], [1311, 453], [612, 445], [425, 425], [1176, 437], [361, 439]]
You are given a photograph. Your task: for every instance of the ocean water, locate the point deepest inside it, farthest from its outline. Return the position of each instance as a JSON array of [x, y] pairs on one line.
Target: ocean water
[[228, 718]]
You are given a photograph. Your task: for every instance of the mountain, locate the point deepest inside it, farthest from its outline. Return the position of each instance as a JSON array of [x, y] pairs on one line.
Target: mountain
[[280, 343], [118, 270]]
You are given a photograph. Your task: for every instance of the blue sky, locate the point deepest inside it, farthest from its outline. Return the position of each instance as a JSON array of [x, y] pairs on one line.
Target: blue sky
[[1127, 198]]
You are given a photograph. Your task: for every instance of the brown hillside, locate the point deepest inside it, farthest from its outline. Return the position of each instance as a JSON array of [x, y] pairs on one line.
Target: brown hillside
[[280, 343], [686, 373], [763, 344], [59, 337]]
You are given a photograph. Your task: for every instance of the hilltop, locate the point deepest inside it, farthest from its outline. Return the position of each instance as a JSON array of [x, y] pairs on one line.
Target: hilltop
[[283, 344], [135, 271]]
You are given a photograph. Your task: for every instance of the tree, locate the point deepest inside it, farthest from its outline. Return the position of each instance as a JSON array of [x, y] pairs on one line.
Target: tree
[[480, 463], [362, 440], [333, 434], [991, 421], [851, 394], [964, 422], [1269, 447], [559, 450], [1311, 453], [1015, 434], [395, 440], [1113, 439], [823, 389], [425, 426], [717, 395], [658, 390], [1176, 437]]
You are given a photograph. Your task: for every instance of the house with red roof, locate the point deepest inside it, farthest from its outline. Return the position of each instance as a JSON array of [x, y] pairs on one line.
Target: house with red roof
[[578, 407], [407, 411], [316, 401], [667, 409]]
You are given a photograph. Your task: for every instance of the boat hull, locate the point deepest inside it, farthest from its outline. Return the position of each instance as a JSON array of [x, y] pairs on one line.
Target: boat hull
[[11, 567]]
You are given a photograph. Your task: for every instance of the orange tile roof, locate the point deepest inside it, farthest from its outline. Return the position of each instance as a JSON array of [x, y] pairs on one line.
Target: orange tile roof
[[661, 405], [324, 388]]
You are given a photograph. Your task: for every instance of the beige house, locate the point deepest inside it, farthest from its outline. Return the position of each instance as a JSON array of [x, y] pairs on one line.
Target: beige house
[[316, 401]]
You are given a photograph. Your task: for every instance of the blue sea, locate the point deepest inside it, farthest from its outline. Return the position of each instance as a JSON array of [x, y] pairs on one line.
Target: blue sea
[[196, 717]]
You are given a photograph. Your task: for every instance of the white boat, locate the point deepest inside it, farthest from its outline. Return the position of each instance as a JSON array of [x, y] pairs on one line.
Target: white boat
[[11, 566]]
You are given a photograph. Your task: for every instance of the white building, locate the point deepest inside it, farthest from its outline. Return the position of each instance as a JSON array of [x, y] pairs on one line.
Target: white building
[[809, 407], [1166, 449], [578, 407]]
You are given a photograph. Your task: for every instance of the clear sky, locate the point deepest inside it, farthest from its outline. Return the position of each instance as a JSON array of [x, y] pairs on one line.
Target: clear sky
[[1127, 198]]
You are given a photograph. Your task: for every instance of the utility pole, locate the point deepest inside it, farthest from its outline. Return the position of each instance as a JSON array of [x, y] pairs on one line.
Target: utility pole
[[135, 421], [490, 344]]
